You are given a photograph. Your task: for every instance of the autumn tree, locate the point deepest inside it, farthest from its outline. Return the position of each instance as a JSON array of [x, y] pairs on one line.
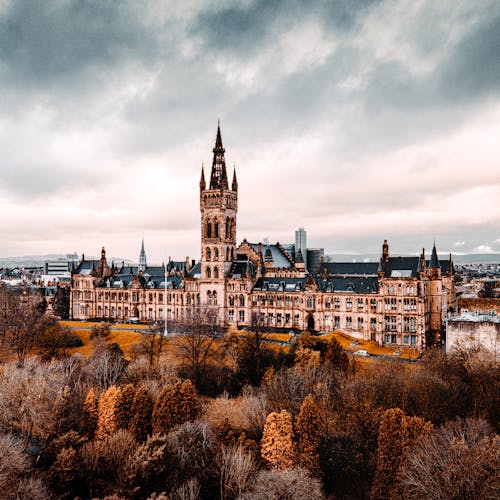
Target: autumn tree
[[335, 355], [141, 411], [176, 404], [276, 447], [90, 414], [124, 407], [107, 418], [309, 428], [467, 450], [397, 433]]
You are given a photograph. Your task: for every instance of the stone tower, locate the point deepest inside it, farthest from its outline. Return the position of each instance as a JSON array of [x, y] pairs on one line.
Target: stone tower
[[218, 207], [437, 298]]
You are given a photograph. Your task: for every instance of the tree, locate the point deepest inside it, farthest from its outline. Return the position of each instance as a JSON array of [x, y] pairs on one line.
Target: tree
[[397, 433], [124, 407], [21, 320], [236, 469], [53, 339], [141, 411], [176, 404], [107, 419], [309, 428], [152, 344], [460, 460], [199, 343], [14, 463], [90, 414], [106, 365], [276, 447], [100, 331], [336, 356]]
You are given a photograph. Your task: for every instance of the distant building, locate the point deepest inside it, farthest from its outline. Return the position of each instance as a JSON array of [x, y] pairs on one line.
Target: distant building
[[473, 328], [399, 301]]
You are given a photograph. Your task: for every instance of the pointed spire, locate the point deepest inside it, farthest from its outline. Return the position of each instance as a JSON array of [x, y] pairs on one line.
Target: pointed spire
[[234, 185], [419, 265], [218, 176], [203, 184], [434, 264], [142, 257]]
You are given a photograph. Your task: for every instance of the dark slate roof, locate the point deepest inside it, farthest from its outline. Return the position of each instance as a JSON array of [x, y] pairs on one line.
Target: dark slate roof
[[279, 284], [350, 284], [279, 258], [241, 268], [356, 268], [401, 267], [86, 267], [195, 270]]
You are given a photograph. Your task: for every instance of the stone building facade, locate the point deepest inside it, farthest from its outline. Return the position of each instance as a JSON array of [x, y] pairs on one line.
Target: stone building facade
[[397, 301]]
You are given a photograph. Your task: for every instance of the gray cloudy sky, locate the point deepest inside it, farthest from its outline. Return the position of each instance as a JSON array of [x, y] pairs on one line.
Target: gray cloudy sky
[[359, 120]]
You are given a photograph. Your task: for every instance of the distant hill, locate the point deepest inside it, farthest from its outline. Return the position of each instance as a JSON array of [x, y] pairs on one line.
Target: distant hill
[[39, 260], [471, 258]]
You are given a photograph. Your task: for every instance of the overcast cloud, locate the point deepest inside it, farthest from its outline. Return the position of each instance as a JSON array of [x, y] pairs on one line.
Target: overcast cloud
[[357, 120]]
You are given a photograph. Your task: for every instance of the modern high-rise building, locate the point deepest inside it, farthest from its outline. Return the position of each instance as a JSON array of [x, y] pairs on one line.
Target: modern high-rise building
[[399, 301]]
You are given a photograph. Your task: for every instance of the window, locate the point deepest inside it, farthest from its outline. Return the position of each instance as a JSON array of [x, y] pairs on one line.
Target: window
[[348, 322], [150, 313], [287, 301], [113, 295], [216, 253], [348, 303], [279, 318], [209, 254], [328, 303], [209, 229], [112, 311], [296, 301], [387, 339], [406, 339], [296, 319], [391, 304], [361, 303], [209, 272], [390, 323], [160, 313], [360, 323], [373, 323], [135, 297], [216, 272], [328, 321], [231, 300], [287, 318], [413, 339], [242, 301], [216, 229], [270, 318], [241, 316], [310, 302], [394, 338], [336, 321], [336, 303], [231, 316]]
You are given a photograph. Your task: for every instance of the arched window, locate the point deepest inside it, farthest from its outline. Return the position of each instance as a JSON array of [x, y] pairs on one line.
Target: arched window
[[216, 229], [216, 253], [209, 229], [209, 254], [242, 301], [209, 298], [227, 227], [228, 254], [209, 272], [216, 272], [233, 229], [231, 300], [232, 253], [214, 298]]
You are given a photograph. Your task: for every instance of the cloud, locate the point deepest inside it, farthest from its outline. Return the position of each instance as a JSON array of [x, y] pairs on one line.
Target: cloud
[[352, 118]]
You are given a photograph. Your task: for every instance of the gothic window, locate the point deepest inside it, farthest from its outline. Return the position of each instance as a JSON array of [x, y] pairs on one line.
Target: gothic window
[[216, 253], [231, 300], [228, 254], [309, 302], [227, 227], [209, 229], [241, 316], [214, 298], [242, 301], [209, 298], [209, 254], [232, 253], [216, 272], [209, 272], [216, 229]]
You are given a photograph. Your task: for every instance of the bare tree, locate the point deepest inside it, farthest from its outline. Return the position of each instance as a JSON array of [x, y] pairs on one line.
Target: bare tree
[[199, 342]]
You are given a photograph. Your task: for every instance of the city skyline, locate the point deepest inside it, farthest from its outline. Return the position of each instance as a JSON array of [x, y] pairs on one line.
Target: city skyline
[[357, 121]]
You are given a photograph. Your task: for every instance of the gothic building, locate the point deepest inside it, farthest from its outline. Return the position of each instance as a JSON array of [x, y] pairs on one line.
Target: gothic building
[[397, 301]]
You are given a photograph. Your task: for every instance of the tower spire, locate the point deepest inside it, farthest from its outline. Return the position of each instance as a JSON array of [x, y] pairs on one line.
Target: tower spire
[[434, 263], [218, 176], [234, 185], [142, 257]]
